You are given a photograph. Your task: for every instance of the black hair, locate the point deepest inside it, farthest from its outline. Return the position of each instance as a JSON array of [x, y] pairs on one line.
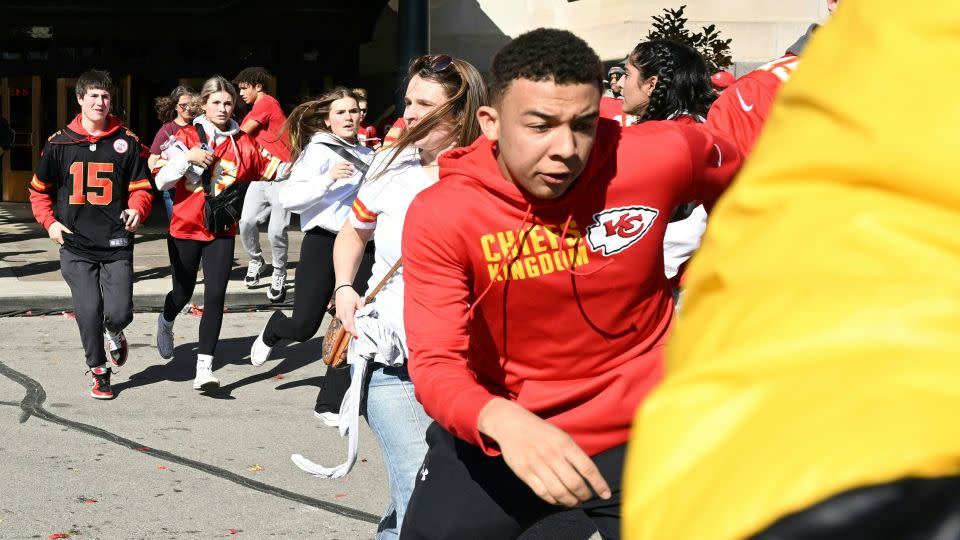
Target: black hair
[[93, 78], [545, 54], [683, 80], [252, 76]]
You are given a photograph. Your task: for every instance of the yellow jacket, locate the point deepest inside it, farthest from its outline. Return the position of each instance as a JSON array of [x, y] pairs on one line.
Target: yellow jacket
[[818, 349]]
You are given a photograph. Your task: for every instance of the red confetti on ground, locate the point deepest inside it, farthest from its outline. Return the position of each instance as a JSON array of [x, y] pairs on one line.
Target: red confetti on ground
[[279, 376], [143, 449], [89, 501], [196, 311], [162, 467], [69, 315], [233, 531], [60, 535], [340, 495]]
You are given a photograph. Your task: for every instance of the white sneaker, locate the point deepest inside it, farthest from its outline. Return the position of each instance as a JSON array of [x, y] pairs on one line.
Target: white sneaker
[[164, 337], [253, 273], [260, 351], [277, 291], [205, 379], [329, 418]]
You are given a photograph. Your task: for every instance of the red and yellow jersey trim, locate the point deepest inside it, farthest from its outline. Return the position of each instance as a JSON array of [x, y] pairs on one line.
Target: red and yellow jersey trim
[[135, 185], [39, 185], [363, 214]]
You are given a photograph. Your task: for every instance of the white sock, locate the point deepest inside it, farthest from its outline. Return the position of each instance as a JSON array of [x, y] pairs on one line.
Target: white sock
[[205, 360]]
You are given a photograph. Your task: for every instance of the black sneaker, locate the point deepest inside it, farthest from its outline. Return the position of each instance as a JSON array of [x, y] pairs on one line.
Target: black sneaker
[[101, 383], [118, 347]]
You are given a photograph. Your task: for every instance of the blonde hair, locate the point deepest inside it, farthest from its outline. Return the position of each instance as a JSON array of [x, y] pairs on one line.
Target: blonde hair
[[211, 86], [309, 118]]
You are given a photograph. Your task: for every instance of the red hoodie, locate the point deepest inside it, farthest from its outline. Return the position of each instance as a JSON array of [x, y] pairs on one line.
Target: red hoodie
[[573, 328]]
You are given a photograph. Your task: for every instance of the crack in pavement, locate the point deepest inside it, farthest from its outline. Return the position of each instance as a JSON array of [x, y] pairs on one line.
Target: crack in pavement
[[32, 405]]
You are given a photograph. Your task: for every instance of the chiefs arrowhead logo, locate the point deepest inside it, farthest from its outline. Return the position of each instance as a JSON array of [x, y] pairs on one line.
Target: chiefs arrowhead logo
[[617, 229]]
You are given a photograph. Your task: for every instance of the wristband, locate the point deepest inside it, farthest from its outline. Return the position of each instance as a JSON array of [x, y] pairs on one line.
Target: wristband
[[342, 286]]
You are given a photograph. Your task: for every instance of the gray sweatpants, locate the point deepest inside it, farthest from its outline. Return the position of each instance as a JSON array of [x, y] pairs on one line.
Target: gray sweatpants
[[262, 202], [102, 297]]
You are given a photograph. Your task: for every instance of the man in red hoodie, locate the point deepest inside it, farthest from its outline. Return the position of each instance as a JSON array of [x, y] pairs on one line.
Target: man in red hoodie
[[90, 192], [536, 306]]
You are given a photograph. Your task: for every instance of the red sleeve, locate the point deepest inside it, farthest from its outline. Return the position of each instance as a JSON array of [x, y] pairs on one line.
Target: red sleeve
[[741, 110], [714, 159], [260, 112], [42, 183], [42, 206], [435, 303]]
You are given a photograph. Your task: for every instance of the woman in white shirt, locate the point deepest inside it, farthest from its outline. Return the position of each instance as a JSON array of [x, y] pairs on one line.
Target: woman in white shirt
[[442, 99], [328, 165]]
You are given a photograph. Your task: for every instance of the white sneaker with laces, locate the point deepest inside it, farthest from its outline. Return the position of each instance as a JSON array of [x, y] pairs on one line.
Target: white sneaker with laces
[[205, 379], [277, 291], [260, 351], [254, 269], [164, 337]]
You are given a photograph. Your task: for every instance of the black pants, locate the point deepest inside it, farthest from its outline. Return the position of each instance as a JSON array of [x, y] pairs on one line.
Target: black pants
[[102, 298], [315, 283], [463, 493], [185, 259]]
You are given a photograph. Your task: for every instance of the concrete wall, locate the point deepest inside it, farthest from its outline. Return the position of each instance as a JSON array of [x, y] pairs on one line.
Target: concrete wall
[[760, 29]]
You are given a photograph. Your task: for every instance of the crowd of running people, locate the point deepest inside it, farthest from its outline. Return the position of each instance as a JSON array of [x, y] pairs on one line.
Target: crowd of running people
[[531, 232]]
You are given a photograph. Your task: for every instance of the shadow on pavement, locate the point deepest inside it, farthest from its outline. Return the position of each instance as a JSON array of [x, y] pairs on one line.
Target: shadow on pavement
[[182, 367]]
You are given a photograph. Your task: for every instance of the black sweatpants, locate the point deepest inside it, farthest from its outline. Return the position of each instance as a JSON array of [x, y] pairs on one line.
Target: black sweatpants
[[463, 493], [102, 294], [314, 288], [185, 258]]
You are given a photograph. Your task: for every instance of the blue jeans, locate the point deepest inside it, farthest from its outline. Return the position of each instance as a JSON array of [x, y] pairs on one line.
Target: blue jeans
[[168, 201], [400, 425]]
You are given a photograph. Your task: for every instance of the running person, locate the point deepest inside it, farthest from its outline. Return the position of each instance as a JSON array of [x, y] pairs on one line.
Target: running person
[[234, 157], [536, 307], [176, 112], [91, 191], [666, 80], [321, 188], [442, 99], [264, 122]]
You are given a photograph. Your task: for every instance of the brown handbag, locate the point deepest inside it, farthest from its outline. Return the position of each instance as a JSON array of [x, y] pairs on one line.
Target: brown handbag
[[336, 340]]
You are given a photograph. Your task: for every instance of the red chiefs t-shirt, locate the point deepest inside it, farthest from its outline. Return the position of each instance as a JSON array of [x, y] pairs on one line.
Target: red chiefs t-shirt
[[267, 112]]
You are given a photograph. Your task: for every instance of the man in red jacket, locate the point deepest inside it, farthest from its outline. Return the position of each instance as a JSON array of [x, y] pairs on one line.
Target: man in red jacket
[[535, 304], [742, 109], [90, 192]]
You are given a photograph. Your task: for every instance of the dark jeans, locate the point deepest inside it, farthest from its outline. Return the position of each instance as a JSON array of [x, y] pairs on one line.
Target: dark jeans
[[185, 258], [463, 493], [102, 298]]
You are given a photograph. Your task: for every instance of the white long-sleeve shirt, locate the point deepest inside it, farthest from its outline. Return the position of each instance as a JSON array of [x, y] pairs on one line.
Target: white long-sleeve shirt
[[309, 190]]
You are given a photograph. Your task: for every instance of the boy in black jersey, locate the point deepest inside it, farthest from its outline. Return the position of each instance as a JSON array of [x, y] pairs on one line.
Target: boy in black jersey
[[90, 192]]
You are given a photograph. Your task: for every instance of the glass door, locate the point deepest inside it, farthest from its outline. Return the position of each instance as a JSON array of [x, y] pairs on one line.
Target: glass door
[[21, 107]]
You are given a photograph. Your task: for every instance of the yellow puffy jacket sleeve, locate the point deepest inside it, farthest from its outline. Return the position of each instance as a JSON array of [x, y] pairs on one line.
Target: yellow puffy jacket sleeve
[[818, 349]]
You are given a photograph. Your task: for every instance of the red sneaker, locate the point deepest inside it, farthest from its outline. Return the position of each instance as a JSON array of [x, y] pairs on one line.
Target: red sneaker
[[101, 383], [117, 345]]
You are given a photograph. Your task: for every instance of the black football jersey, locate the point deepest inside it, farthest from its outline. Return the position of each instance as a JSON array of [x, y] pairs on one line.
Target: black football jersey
[[89, 183]]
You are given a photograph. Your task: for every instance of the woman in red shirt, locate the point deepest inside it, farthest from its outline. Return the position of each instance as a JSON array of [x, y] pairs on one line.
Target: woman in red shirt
[[232, 156]]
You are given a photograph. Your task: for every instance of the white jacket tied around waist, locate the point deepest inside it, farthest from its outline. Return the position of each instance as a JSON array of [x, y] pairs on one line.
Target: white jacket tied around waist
[[377, 342], [309, 190]]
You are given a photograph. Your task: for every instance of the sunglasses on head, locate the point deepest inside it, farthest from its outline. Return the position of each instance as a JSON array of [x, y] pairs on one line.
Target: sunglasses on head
[[434, 62]]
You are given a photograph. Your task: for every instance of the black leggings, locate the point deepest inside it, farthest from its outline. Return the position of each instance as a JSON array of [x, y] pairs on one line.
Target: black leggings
[[314, 287], [185, 260]]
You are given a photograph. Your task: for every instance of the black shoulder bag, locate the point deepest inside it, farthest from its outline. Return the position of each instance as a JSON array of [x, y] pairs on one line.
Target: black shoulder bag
[[342, 152], [220, 212]]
